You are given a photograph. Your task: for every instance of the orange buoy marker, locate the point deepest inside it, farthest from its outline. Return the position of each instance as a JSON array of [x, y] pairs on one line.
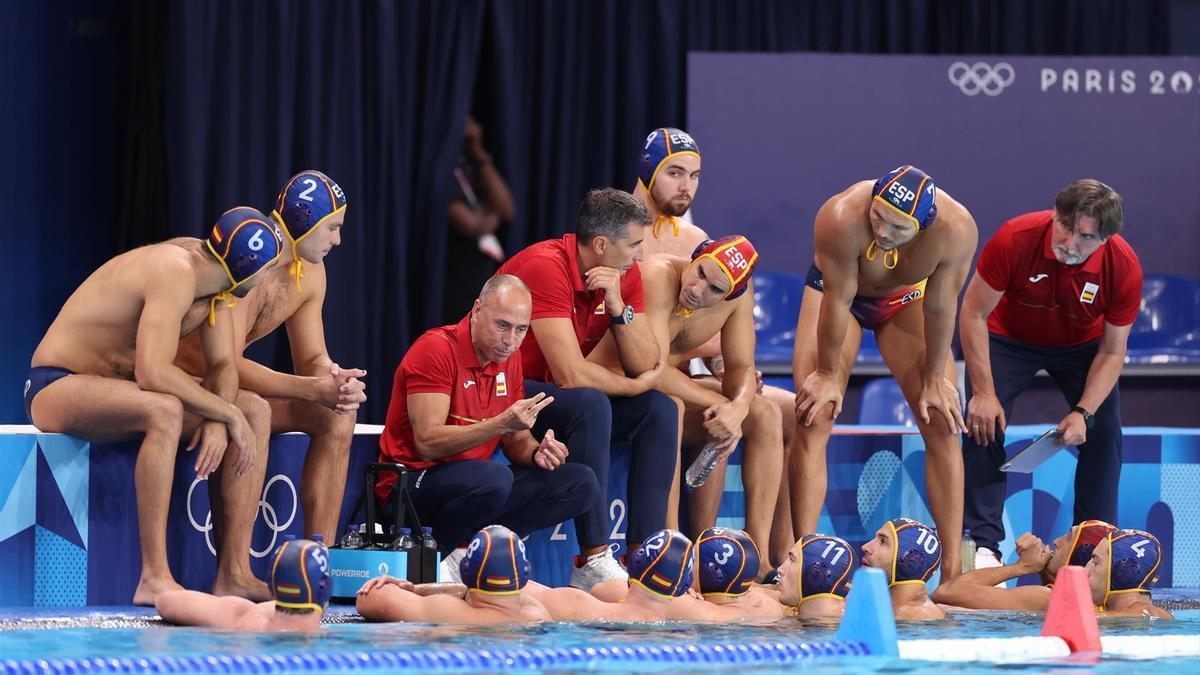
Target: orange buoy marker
[[1071, 615]]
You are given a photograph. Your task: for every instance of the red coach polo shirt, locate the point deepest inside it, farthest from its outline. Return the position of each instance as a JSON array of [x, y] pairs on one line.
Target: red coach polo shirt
[[443, 361], [551, 270], [1049, 304]]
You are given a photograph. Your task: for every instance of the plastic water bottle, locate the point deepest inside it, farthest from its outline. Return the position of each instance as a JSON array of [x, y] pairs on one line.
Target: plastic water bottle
[[404, 541], [352, 539], [427, 539], [698, 472], [968, 551]]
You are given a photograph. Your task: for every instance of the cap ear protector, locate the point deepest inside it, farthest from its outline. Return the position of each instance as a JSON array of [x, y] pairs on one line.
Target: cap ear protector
[[305, 202], [244, 242]]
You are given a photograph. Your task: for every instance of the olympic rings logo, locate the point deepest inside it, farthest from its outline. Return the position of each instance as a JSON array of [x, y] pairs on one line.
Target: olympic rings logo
[[269, 516], [981, 77]]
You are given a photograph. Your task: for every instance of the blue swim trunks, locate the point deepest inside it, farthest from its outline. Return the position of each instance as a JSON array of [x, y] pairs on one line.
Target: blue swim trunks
[[40, 377]]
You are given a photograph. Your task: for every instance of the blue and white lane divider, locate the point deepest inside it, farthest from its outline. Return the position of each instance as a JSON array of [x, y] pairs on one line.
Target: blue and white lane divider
[[647, 657]]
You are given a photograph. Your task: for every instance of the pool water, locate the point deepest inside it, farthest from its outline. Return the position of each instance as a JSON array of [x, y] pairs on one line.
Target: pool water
[[161, 640]]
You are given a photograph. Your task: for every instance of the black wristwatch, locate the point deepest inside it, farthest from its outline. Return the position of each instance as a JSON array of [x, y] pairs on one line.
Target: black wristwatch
[[625, 317], [1088, 420]]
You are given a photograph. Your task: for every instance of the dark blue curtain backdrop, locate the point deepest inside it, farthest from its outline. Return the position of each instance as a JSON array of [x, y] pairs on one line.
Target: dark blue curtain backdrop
[[133, 120]]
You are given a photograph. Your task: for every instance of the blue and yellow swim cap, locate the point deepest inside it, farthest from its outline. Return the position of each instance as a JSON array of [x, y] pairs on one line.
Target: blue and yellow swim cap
[[306, 201], [300, 576], [661, 144], [1133, 562], [495, 563], [663, 564], [825, 565], [245, 242], [728, 561], [909, 192], [917, 552]]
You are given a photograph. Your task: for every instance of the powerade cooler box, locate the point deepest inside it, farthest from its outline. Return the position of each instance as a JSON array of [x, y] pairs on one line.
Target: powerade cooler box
[[351, 568]]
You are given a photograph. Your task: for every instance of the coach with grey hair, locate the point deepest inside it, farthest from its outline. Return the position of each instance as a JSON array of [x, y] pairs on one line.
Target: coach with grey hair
[[587, 287], [1054, 290]]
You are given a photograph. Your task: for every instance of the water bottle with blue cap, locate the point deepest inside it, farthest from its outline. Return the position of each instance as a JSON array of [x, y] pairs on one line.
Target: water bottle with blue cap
[[427, 539], [404, 541], [352, 539]]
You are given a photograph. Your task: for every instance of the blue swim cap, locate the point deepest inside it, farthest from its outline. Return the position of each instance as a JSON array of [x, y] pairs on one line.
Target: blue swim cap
[[728, 561], [659, 145], [300, 575], [917, 552], [495, 563], [910, 192], [244, 241], [1133, 562], [663, 564], [306, 201], [826, 562]]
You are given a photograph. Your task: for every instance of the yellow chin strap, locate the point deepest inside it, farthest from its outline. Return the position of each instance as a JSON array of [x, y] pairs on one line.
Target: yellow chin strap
[[224, 296], [814, 596], [296, 267], [891, 257], [656, 230], [680, 310]]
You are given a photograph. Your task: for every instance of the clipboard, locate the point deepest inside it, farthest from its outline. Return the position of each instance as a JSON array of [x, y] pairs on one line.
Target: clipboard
[[1034, 454]]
